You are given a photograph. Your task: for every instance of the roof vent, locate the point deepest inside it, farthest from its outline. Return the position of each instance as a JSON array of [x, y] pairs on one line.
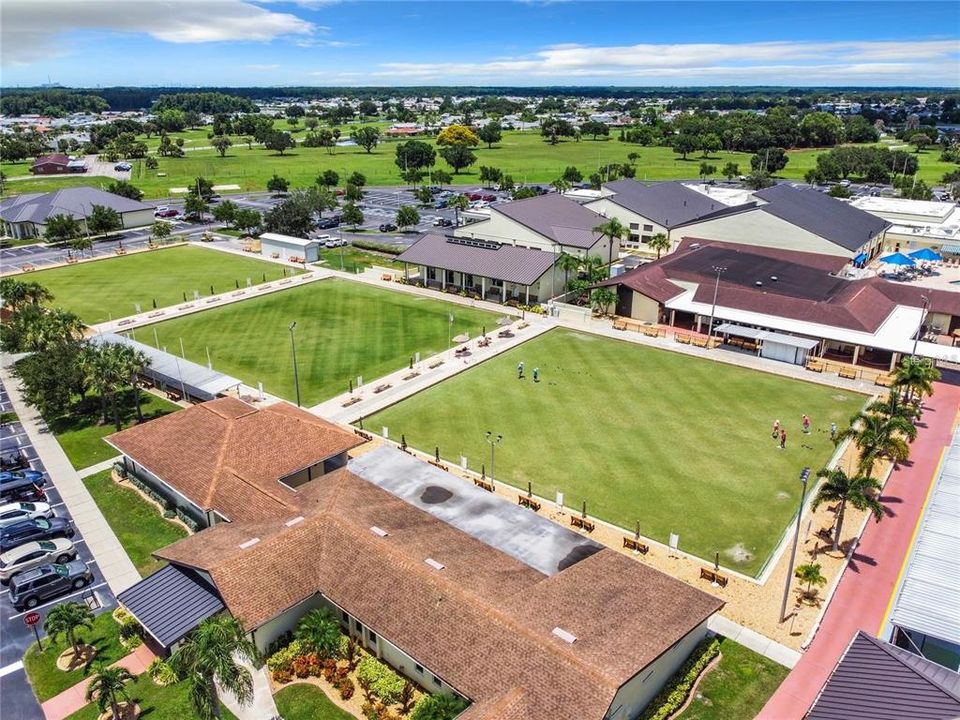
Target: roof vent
[[434, 564], [565, 635], [249, 543], [293, 521], [758, 283], [774, 278], [379, 532]]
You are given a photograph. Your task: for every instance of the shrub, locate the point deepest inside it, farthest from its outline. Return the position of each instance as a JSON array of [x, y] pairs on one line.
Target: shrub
[[330, 673], [161, 673], [319, 631], [346, 688], [380, 679], [169, 514], [370, 711], [301, 667], [121, 470], [675, 693], [282, 677], [188, 521], [283, 659], [438, 707], [378, 247]]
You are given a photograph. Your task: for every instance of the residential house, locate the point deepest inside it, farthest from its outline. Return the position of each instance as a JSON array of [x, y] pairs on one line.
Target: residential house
[[57, 164]]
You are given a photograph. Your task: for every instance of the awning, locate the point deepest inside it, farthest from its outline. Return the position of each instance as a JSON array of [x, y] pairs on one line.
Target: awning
[[171, 602], [766, 336], [198, 381], [859, 258], [950, 249]]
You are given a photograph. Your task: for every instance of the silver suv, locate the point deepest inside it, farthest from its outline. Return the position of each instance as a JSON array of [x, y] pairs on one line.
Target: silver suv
[[30, 588]]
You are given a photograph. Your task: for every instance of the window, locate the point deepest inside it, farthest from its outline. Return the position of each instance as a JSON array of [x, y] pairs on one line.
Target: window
[[634, 237], [648, 228], [449, 276], [634, 226], [344, 617], [496, 283], [418, 667], [431, 273], [372, 636], [647, 238], [437, 681], [358, 625]]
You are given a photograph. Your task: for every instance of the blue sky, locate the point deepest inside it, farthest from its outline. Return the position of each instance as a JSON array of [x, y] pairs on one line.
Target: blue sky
[[322, 42]]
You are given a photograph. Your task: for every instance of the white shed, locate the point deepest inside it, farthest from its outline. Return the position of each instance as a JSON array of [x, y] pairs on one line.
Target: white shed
[[286, 247]]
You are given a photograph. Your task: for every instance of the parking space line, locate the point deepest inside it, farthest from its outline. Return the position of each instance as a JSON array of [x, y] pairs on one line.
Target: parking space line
[[11, 668], [88, 588]]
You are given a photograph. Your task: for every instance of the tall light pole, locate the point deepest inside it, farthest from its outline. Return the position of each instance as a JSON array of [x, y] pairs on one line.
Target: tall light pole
[[804, 476], [716, 289], [494, 442], [293, 346], [923, 313]]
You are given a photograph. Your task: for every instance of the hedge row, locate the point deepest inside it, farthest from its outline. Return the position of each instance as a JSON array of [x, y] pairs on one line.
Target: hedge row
[[377, 247], [675, 692], [169, 511]]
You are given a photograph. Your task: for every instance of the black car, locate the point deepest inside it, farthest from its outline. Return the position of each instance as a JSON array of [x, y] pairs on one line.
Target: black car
[[327, 223], [20, 490], [30, 588], [35, 529], [388, 227]]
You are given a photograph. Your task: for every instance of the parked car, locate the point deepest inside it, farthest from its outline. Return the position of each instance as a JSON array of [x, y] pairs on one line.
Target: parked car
[[440, 204], [442, 222], [213, 199], [34, 476], [26, 531], [488, 198], [31, 554], [167, 213], [474, 196], [335, 243], [388, 227], [22, 489], [160, 208], [17, 511], [15, 460], [122, 166], [30, 588], [327, 223]]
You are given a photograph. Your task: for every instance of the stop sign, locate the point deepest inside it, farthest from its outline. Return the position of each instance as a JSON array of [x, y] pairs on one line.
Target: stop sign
[[31, 618]]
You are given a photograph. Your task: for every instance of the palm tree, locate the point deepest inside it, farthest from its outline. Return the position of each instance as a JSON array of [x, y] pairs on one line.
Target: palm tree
[[131, 363], [593, 268], [811, 575], [893, 406], [458, 203], [81, 243], [108, 688], [915, 376], [568, 263], [319, 632], [660, 242], [66, 619], [16, 294], [560, 185], [209, 657], [879, 436], [601, 299], [858, 490], [612, 229]]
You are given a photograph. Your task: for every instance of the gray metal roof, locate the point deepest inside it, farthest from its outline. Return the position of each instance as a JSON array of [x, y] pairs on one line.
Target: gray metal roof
[[540, 543], [766, 335], [560, 219], [198, 380], [929, 596], [171, 602], [669, 204], [75, 202], [480, 257], [877, 681], [822, 215]]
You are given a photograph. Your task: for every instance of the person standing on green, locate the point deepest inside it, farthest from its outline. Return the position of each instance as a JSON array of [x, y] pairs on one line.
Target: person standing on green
[[536, 374]]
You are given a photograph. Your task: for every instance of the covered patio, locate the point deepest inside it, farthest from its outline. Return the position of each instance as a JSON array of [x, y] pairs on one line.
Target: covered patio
[[768, 344]]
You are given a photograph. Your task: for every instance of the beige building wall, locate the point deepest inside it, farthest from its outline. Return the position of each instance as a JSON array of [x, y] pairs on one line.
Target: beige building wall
[[137, 218], [644, 308], [761, 229], [641, 228], [499, 228]]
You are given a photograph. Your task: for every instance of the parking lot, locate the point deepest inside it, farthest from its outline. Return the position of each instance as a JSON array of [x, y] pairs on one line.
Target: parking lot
[[18, 698]]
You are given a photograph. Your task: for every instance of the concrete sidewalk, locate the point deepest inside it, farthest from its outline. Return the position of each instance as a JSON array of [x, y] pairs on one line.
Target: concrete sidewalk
[[752, 640], [112, 559], [94, 469], [262, 707]]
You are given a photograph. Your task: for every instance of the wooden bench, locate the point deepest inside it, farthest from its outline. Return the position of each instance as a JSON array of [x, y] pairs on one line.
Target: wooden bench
[[528, 502], [72, 261], [440, 465], [28, 267], [713, 577], [435, 365], [364, 435], [883, 380], [683, 339], [582, 523], [699, 342], [351, 401], [174, 395], [635, 545], [848, 373], [386, 277], [125, 322], [381, 388], [488, 486], [620, 324], [815, 366], [411, 376]]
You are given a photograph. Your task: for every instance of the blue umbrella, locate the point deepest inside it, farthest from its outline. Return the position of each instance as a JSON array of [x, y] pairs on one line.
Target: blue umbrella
[[897, 258], [926, 254]]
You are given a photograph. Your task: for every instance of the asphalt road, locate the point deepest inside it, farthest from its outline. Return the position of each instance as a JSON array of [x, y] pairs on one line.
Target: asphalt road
[[15, 637]]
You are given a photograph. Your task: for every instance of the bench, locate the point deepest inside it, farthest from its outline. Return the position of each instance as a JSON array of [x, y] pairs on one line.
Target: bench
[[435, 365], [351, 401], [386, 277], [528, 502], [275, 255], [125, 322], [848, 373], [158, 313], [699, 342], [620, 324], [488, 486], [582, 523], [174, 395], [683, 339], [439, 465], [652, 331], [411, 376], [72, 261], [713, 577], [381, 388], [815, 366], [635, 545], [884, 380], [364, 435], [30, 268]]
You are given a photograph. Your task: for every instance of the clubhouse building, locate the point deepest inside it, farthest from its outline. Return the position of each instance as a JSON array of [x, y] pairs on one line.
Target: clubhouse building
[[461, 591]]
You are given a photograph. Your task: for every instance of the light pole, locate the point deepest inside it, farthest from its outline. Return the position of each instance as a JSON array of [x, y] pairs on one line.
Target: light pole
[[494, 442], [923, 313], [804, 476], [296, 374], [716, 288]]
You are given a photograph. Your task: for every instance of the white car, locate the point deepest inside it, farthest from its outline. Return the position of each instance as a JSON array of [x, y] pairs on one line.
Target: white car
[[34, 554], [335, 242], [15, 512]]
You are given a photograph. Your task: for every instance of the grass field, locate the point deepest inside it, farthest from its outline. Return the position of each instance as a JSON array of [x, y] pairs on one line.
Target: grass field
[[677, 443], [351, 259], [104, 289], [170, 702], [344, 329], [524, 155], [738, 687], [303, 701], [138, 525]]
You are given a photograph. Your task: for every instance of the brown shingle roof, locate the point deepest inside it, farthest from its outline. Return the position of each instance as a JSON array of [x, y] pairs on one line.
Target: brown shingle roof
[[228, 456], [483, 624]]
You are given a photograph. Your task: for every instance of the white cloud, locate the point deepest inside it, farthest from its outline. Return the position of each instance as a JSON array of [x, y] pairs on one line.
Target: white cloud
[[893, 62], [262, 68], [33, 29]]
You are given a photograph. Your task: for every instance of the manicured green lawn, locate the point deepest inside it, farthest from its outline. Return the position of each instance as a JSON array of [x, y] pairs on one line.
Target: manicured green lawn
[[80, 433], [109, 289], [344, 329], [302, 701], [351, 259], [738, 687], [679, 444], [41, 667], [139, 526], [171, 702]]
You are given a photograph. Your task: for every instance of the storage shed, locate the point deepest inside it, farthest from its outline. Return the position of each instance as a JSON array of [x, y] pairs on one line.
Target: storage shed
[[287, 247]]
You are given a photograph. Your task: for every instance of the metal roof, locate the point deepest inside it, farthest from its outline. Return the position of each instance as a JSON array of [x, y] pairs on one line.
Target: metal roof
[[479, 257], [171, 602], [878, 681], [767, 336], [288, 240], [669, 204], [197, 380], [76, 202], [927, 600], [560, 219]]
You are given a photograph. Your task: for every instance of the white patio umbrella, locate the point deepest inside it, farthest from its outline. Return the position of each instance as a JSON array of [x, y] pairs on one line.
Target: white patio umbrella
[[461, 338]]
